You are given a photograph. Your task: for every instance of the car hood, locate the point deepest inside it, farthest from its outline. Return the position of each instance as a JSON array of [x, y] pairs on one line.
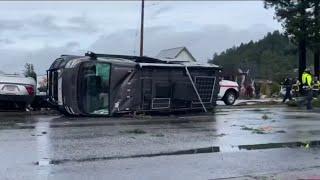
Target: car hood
[[228, 83]]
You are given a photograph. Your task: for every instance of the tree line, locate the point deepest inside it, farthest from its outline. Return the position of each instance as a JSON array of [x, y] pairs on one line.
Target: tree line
[[301, 22], [273, 57], [300, 41]]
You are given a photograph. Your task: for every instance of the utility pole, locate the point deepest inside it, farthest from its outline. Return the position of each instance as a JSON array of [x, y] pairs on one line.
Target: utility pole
[[141, 28]]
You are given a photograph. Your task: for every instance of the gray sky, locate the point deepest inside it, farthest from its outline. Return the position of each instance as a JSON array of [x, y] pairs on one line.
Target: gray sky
[[38, 32]]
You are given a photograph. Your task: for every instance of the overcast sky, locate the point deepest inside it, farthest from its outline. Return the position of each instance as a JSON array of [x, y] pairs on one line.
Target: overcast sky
[[39, 32]]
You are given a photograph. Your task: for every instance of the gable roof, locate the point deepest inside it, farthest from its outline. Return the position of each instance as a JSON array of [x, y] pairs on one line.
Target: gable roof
[[173, 53]]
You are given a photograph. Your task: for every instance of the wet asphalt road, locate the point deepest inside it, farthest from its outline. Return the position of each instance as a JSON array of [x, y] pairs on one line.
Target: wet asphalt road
[[55, 147]]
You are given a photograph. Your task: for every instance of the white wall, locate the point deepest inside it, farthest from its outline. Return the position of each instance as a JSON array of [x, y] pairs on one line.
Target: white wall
[[184, 56]]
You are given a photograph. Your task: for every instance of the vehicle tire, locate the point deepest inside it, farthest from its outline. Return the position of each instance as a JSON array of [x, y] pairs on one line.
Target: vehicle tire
[[229, 98]]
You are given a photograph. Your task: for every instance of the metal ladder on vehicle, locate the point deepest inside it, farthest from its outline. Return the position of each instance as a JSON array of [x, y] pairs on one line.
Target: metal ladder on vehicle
[[195, 89]]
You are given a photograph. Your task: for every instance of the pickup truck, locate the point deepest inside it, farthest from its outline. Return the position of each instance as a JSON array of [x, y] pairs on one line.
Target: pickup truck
[[229, 91]]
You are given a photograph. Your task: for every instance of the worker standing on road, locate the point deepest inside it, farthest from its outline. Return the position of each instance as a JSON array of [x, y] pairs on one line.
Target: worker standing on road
[[307, 87], [288, 85], [296, 87], [316, 86]]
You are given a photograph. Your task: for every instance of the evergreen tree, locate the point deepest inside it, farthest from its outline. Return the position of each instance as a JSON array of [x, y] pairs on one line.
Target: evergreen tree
[[295, 18], [315, 34], [29, 71], [273, 57]]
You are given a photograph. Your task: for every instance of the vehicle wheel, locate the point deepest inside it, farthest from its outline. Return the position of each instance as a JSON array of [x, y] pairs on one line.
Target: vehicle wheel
[[229, 98]]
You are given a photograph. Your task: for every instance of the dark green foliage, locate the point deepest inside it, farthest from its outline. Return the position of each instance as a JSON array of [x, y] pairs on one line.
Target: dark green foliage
[[301, 22], [294, 16], [315, 36], [295, 19], [273, 57], [29, 71]]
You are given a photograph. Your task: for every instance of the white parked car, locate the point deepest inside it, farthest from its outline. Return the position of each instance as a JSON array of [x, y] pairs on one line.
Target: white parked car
[[229, 91], [17, 89]]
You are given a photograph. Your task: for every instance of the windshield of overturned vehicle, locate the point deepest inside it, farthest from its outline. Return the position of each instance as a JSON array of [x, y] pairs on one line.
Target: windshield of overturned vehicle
[[94, 88]]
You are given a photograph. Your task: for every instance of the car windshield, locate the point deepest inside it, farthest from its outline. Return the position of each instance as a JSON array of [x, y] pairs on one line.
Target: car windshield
[[94, 87]]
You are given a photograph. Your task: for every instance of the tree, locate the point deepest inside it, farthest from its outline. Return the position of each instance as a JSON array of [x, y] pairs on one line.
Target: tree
[[315, 35], [29, 71], [273, 57], [295, 18]]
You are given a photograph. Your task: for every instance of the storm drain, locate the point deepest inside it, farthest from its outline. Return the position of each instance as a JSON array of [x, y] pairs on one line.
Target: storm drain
[[211, 149]]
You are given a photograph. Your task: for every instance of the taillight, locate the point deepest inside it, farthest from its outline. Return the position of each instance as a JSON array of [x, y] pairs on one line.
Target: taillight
[[30, 90]]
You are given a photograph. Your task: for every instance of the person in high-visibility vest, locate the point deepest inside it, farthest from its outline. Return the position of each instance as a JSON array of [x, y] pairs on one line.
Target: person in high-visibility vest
[[307, 81]]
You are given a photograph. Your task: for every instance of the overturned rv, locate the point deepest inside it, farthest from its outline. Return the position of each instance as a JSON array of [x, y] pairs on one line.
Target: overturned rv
[[107, 85]]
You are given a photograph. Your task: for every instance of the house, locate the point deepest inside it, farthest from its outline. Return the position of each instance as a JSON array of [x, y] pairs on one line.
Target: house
[[181, 54]]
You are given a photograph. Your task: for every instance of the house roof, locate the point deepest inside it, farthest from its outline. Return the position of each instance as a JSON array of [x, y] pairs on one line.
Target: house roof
[[173, 53]]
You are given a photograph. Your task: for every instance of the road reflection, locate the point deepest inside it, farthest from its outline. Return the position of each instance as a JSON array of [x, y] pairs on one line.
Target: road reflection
[[42, 129]]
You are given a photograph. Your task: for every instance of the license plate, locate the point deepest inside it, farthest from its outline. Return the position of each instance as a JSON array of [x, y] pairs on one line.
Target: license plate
[[10, 87]]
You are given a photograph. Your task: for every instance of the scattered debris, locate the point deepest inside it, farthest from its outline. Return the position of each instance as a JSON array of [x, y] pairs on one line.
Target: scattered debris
[[246, 128], [134, 131], [36, 135], [43, 162], [281, 131], [220, 135], [266, 128], [157, 135], [262, 130], [248, 103], [258, 131], [265, 117]]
